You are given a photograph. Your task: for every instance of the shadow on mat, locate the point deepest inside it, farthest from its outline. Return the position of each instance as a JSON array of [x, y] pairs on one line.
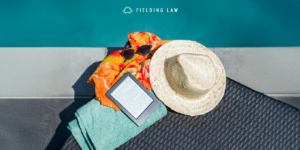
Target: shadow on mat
[[82, 90]]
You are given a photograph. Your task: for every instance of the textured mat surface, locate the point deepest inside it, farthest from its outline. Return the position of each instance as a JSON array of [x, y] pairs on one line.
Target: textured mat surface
[[244, 119]]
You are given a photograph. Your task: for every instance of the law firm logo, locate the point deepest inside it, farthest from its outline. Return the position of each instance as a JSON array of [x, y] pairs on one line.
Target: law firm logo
[[128, 10]]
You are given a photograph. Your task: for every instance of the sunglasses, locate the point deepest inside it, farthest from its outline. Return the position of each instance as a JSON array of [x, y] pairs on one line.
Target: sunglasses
[[143, 50]]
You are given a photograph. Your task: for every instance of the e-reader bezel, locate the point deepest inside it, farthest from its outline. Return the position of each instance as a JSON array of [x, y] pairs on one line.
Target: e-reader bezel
[[147, 112]]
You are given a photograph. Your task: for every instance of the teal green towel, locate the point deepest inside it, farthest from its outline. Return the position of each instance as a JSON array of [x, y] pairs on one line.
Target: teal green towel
[[102, 128]]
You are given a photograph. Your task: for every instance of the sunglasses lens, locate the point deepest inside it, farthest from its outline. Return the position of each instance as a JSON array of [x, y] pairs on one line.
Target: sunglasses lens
[[145, 49], [128, 54]]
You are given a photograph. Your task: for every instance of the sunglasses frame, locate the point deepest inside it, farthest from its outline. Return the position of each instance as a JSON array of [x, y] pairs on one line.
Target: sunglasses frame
[[136, 52]]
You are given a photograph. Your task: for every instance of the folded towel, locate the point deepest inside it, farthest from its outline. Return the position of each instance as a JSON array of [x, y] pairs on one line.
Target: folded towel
[[100, 127]]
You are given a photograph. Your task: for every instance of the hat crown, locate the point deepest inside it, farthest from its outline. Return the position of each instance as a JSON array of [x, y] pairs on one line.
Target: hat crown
[[191, 75]]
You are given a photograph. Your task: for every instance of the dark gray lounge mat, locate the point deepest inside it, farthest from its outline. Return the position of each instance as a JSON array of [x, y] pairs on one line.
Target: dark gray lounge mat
[[244, 119]]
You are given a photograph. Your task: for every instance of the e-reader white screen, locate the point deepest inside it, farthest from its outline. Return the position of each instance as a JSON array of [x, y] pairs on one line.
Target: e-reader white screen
[[132, 97]]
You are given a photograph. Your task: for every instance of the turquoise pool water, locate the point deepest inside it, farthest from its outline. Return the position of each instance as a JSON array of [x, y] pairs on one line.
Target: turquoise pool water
[[95, 23]]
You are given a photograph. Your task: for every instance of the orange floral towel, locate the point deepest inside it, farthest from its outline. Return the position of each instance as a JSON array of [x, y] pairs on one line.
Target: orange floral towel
[[112, 68]]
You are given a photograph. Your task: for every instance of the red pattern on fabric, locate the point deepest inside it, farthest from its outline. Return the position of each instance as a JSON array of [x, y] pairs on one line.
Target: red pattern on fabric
[[113, 67]]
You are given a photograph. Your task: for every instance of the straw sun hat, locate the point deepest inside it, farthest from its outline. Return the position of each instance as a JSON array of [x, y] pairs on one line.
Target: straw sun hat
[[188, 77]]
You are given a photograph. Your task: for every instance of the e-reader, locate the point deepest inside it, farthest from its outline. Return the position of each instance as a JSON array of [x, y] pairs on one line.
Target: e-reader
[[133, 98]]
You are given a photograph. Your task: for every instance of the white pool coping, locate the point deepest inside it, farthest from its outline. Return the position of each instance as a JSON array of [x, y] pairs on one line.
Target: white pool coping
[[61, 72]]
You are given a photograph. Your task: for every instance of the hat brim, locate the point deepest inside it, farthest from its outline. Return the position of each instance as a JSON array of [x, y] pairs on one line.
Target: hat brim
[[171, 98]]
